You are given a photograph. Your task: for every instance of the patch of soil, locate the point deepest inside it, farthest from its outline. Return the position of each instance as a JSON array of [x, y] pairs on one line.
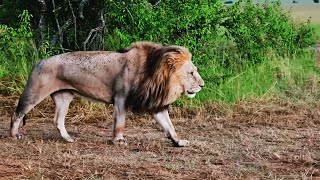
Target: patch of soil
[[254, 141]]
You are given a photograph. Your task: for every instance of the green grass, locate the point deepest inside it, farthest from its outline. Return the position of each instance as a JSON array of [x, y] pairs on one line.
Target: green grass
[[274, 77], [238, 63], [317, 30], [294, 78], [15, 66], [291, 77]]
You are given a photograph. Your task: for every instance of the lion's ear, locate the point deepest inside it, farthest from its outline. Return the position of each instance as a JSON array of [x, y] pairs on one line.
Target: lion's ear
[[158, 56], [175, 59], [171, 56], [171, 60]]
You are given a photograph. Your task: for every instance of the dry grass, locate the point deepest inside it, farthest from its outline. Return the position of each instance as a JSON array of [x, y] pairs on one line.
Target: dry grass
[[303, 12], [250, 141]]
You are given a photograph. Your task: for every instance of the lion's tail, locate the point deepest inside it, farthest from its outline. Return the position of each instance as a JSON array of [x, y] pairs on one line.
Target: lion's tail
[[24, 120]]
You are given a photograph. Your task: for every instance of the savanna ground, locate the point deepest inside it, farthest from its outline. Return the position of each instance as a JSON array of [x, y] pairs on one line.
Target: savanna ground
[[255, 141], [250, 140]]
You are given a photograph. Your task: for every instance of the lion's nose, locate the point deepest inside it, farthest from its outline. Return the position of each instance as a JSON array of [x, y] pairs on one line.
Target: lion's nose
[[201, 82]]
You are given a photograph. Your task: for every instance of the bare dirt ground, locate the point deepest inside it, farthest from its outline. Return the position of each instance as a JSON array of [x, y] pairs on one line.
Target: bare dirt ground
[[251, 141]]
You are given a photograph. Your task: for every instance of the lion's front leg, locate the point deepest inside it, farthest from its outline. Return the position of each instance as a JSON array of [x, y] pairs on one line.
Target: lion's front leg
[[119, 116], [163, 119]]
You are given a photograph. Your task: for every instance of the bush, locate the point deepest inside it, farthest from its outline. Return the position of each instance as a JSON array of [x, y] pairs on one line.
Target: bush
[[17, 53], [12, 38], [229, 43], [242, 32]]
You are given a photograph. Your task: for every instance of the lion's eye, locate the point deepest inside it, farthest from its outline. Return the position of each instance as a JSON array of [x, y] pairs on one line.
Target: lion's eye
[[191, 73]]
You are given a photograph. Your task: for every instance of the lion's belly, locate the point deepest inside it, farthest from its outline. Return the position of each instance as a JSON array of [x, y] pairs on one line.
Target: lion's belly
[[94, 89], [96, 94], [90, 86]]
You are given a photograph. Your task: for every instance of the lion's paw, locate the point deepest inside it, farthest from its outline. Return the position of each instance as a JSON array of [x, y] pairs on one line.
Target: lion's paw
[[120, 142], [182, 143], [17, 136], [69, 139]]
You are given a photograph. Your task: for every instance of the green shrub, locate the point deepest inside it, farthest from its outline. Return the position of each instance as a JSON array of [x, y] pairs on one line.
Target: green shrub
[[242, 32], [12, 38], [17, 53], [235, 47]]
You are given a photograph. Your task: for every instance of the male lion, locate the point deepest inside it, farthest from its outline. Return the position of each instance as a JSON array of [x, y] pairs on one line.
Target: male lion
[[145, 77]]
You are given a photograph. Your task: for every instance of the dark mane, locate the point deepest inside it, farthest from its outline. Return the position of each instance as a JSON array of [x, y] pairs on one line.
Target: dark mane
[[151, 89], [123, 50]]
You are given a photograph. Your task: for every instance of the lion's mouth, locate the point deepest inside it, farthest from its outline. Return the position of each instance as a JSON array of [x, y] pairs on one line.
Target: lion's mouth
[[191, 94]]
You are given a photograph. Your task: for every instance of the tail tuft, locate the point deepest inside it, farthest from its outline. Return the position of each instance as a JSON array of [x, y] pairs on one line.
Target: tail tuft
[[24, 120], [11, 123]]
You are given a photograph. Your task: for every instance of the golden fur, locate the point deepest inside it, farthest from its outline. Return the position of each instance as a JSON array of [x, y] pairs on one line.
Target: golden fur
[[151, 88], [146, 77]]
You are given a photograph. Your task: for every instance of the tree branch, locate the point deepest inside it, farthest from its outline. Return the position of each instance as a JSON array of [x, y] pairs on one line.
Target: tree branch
[[96, 30], [75, 25], [158, 2], [41, 24], [58, 37], [55, 14], [81, 5]]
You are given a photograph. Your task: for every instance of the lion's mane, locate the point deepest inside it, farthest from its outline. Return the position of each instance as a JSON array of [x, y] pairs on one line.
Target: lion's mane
[[151, 88]]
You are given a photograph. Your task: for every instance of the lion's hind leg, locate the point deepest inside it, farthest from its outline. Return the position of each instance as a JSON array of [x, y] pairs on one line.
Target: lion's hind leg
[[22, 109], [27, 101], [62, 100]]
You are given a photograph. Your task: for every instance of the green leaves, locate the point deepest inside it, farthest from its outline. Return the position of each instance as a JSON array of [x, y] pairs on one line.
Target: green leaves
[[227, 41], [257, 28], [14, 38]]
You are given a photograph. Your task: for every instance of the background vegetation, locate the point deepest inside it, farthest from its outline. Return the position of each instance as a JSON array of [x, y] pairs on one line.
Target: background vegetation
[[243, 51], [261, 74]]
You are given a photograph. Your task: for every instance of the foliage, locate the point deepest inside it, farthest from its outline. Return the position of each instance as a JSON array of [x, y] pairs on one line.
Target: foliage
[[12, 37], [226, 41], [257, 28], [17, 50], [234, 46]]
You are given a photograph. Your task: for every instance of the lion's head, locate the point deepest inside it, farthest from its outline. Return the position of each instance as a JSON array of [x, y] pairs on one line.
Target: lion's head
[[168, 73], [190, 79]]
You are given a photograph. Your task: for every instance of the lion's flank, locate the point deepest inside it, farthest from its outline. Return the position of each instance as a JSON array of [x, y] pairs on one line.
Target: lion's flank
[[151, 89]]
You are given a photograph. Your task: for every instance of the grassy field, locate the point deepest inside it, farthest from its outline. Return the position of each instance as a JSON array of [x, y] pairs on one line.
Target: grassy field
[[304, 12], [268, 135]]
